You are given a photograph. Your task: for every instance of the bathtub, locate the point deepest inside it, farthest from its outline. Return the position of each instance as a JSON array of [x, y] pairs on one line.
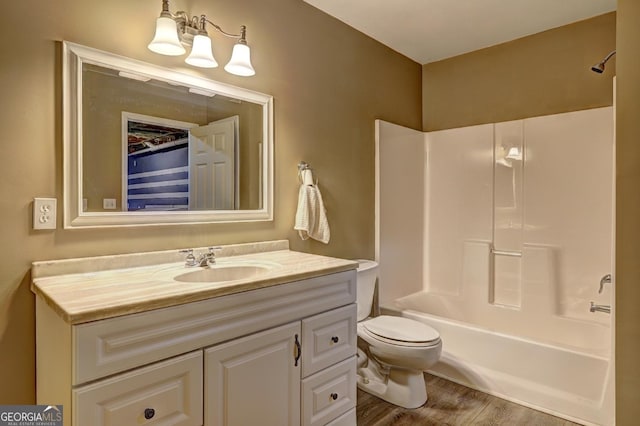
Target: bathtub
[[504, 266], [562, 381]]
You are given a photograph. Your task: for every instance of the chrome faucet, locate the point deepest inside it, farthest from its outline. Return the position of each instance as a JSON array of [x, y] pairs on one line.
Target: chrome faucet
[[208, 258], [205, 259], [600, 308]]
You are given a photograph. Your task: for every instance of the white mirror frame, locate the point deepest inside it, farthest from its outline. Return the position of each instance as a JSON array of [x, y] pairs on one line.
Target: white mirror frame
[[74, 56]]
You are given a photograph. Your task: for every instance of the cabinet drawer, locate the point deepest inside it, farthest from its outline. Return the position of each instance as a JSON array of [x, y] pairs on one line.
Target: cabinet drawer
[[167, 393], [329, 393], [328, 338], [347, 419]]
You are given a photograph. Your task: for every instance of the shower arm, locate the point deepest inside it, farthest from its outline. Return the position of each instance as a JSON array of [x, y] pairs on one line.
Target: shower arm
[[604, 61]]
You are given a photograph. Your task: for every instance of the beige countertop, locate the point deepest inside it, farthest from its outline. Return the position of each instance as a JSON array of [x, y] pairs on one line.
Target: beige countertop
[[116, 287]]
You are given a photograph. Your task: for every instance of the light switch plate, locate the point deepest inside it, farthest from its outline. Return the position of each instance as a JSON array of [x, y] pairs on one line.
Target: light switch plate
[[109, 203], [44, 213]]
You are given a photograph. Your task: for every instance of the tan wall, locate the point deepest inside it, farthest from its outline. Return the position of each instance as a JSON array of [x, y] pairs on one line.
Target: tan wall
[[546, 73], [329, 84], [628, 214]]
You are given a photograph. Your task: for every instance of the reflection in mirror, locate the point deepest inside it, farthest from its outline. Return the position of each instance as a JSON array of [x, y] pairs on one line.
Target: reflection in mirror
[[156, 146], [159, 146]]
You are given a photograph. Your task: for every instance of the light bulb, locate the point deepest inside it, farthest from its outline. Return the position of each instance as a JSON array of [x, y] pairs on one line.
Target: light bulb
[[240, 62], [166, 41], [201, 54]]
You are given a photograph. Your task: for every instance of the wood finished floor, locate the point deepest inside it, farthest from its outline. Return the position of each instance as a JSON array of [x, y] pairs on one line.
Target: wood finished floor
[[454, 405]]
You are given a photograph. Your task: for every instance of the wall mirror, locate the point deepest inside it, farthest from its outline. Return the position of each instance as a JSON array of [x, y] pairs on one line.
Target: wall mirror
[[147, 145]]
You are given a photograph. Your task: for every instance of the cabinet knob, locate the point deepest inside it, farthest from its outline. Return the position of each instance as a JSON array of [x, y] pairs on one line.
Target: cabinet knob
[[334, 396], [149, 413], [335, 339]]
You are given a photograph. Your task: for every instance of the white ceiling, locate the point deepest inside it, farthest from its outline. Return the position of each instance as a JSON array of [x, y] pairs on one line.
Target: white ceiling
[[430, 30]]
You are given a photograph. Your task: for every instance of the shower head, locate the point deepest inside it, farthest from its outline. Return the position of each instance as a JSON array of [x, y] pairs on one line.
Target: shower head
[[599, 67]]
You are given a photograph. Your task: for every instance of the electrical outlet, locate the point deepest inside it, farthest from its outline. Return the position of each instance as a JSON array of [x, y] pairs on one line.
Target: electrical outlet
[[44, 213], [109, 203]]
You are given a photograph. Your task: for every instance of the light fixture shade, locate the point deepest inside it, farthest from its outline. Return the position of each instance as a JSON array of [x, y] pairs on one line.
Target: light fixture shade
[[201, 54], [166, 41], [240, 63]]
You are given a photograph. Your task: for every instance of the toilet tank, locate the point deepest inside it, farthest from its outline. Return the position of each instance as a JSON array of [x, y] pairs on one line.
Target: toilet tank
[[367, 273]]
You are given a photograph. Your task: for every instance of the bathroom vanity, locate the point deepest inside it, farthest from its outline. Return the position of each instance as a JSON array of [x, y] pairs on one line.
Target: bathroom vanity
[[142, 339]]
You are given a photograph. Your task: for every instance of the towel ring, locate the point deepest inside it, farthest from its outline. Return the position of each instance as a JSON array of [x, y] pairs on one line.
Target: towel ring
[[302, 166]]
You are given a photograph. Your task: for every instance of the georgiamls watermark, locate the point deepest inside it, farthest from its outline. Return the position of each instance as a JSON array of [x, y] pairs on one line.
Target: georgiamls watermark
[[30, 415]]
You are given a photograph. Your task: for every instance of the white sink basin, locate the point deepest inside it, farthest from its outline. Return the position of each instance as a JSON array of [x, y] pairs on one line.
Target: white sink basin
[[218, 273], [223, 271]]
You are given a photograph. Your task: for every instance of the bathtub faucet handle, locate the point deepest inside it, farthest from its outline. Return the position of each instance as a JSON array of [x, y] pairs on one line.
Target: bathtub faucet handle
[[604, 280]]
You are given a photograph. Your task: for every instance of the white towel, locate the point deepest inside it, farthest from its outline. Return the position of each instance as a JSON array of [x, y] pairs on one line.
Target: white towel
[[311, 216]]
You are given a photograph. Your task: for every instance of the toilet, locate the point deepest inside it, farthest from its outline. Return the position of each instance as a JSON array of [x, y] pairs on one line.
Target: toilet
[[393, 351]]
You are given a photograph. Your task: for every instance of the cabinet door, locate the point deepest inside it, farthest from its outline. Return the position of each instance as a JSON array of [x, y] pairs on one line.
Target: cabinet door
[[254, 380]]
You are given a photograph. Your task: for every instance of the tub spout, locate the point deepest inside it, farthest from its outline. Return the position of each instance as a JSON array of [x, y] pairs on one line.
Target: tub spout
[[600, 308]]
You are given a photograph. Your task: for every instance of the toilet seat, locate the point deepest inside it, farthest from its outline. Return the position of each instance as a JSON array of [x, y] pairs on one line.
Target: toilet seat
[[401, 331]]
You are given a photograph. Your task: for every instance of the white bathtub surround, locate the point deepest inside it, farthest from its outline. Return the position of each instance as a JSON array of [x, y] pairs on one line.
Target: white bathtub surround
[[534, 319], [511, 233]]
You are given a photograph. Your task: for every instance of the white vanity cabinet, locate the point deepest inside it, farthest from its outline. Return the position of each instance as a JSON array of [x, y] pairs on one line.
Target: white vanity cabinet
[[256, 380], [278, 355]]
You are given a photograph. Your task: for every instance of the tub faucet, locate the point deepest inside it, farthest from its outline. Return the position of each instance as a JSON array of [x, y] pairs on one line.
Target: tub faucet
[[600, 308], [604, 280]]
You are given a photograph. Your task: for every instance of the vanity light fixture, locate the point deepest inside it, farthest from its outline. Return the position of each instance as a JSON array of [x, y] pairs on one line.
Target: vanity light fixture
[[175, 30]]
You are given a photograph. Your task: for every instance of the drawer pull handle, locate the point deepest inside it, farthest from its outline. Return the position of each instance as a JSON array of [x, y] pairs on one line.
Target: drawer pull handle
[[298, 351], [149, 413], [334, 396], [335, 339]]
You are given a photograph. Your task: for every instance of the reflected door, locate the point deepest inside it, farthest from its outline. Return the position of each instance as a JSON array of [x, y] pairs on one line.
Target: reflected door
[[212, 165]]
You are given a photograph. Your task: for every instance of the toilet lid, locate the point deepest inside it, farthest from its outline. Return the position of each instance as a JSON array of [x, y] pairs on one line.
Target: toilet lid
[[401, 329]]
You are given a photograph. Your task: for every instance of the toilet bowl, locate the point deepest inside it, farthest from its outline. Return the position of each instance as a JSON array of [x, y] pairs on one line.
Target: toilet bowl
[[393, 352]]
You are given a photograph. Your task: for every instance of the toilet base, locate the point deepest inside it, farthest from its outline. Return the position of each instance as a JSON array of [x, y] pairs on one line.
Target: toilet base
[[405, 388]]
